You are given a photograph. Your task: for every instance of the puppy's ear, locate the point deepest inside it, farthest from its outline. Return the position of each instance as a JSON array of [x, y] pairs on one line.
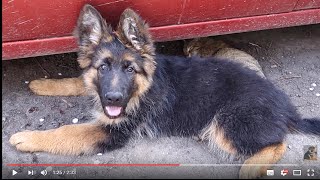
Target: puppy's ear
[[133, 31], [90, 31], [91, 27]]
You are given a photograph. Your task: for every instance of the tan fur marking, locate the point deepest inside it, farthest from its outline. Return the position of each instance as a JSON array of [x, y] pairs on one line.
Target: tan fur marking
[[88, 78], [143, 84], [215, 134], [224, 143], [58, 87], [108, 38], [84, 62], [128, 57], [269, 155], [83, 55], [149, 67], [104, 53], [133, 104], [66, 140]]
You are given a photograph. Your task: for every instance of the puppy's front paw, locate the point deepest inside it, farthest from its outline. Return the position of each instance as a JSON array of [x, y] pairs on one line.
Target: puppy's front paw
[[41, 86], [28, 141], [58, 87]]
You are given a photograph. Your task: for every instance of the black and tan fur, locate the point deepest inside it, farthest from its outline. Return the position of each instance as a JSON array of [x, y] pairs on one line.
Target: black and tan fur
[[217, 100], [311, 154], [209, 47]]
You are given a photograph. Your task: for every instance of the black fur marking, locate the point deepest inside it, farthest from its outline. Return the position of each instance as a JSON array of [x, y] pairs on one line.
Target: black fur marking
[[117, 139], [311, 126]]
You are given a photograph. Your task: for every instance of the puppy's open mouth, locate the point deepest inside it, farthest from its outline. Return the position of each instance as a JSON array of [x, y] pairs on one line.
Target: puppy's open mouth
[[113, 111]]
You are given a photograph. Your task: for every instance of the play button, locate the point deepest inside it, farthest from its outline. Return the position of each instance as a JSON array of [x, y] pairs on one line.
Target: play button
[[14, 172]]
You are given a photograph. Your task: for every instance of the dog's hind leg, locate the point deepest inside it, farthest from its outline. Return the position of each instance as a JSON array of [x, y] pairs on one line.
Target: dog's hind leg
[[58, 87], [254, 167], [257, 165]]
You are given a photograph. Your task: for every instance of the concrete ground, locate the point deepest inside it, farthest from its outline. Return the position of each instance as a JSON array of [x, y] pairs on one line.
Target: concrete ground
[[290, 58]]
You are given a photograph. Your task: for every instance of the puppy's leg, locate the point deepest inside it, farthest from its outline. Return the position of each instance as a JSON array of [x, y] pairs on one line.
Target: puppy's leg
[[258, 164], [216, 135], [58, 87], [67, 140]]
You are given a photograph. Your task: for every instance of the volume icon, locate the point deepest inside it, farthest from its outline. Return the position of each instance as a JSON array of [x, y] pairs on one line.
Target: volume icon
[[44, 172]]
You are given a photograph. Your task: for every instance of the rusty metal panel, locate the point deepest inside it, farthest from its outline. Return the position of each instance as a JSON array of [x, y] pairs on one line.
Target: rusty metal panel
[[39, 27], [307, 4], [206, 10], [37, 19], [236, 25], [12, 50]]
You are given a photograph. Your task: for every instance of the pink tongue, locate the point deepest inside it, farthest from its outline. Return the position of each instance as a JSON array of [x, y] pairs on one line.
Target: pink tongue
[[113, 110]]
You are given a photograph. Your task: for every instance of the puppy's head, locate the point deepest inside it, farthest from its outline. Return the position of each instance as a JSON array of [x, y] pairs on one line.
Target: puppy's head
[[118, 66]]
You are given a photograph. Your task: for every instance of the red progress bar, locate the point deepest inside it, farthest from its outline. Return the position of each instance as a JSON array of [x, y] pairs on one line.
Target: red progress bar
[[118, 165]]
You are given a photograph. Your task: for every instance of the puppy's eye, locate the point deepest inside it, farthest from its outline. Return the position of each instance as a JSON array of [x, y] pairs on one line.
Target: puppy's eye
[[130, 69], [103, 67]]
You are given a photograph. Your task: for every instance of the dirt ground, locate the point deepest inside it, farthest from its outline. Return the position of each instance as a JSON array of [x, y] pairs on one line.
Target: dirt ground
[[290, 57]]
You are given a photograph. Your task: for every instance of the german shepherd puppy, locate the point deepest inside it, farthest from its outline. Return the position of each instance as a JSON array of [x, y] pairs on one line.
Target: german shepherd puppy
[[311, 154], [138, 92]]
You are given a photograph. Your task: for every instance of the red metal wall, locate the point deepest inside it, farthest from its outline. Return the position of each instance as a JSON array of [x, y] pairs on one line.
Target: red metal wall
[[40, 27]]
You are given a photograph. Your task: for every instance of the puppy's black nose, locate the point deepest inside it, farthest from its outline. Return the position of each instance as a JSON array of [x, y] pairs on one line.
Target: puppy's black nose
[[113, 97]]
